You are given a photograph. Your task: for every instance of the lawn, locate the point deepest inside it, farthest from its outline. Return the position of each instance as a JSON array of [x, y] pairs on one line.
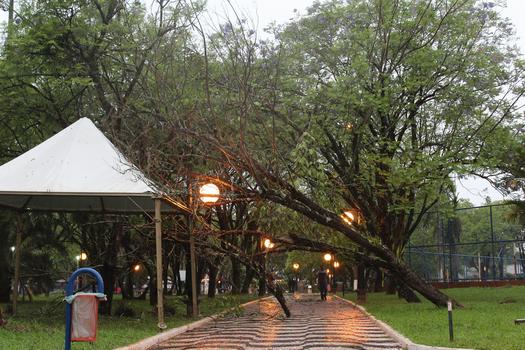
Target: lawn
[[486, 321], [40, 324]]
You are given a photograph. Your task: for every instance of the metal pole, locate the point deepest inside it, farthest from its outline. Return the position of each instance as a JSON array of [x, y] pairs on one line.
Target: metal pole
[[492, 245], [17, 263], [194, 301], [479, 266], [515, 267], [450, 324], [158, 252]]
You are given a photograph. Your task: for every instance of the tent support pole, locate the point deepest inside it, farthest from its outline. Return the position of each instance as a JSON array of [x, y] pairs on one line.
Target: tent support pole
[[17, 263], [158, 241]]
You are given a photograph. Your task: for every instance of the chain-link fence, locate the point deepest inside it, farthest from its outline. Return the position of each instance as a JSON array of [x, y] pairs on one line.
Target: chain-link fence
[[477, 243]]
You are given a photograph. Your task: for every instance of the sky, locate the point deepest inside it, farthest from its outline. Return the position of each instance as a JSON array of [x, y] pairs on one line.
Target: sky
[[264, 12]]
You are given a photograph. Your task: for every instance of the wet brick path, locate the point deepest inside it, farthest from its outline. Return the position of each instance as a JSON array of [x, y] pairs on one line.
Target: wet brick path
[[332, 324]]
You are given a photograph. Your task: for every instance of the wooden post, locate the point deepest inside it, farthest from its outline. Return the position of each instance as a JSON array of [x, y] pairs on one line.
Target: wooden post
[[17, 263], [194, 301], [158, 252]]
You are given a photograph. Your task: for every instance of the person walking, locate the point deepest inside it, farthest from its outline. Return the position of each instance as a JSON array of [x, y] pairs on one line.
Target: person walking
[[322, 282]]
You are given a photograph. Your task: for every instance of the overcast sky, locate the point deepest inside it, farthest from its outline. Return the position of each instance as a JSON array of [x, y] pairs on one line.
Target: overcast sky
[[264, 12]]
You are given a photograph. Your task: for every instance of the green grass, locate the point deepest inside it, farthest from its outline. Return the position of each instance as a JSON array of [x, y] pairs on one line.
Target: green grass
[[41, 324], [486, 321]]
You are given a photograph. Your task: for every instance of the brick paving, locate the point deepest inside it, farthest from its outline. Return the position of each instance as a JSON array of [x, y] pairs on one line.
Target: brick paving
[[314, 324]]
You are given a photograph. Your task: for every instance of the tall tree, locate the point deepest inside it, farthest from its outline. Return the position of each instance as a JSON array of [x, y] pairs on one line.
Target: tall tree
[[370, 106]]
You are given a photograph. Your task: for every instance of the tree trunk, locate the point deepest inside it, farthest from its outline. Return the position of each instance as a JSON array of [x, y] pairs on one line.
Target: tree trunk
[[236, 275], [361, 283], [277, 291], [248, 278], [108, 275], [5, 278], [390, 284], [213, 270], [378, 283], [408, 294], [152, 286], [127, 290]]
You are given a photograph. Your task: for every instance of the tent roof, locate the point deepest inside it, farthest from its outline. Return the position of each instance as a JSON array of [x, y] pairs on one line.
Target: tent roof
[[78, 169]]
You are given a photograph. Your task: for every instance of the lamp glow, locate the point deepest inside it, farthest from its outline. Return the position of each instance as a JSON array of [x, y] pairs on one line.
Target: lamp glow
[[136, 268], [209, 193], [348, 217], [336, 264], [296, 266], [328, 257], [83, 256], [268, 243]]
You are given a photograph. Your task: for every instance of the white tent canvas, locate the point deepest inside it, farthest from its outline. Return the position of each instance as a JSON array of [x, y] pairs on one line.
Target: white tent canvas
[[78, 169]]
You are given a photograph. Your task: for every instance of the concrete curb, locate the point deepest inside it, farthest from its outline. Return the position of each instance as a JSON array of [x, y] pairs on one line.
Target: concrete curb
[[147, 343], [406, 343]]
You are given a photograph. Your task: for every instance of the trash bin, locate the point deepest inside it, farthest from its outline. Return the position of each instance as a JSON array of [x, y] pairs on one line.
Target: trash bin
[[84, 318]]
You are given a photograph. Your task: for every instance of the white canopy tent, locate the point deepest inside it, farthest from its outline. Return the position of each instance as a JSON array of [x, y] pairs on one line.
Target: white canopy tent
[[79, 169]]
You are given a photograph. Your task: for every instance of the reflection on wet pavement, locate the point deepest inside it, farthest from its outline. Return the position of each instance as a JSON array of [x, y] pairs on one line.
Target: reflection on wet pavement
[[314, 324]]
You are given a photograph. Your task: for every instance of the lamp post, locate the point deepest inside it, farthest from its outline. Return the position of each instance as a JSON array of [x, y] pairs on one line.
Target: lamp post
[[295, 281], [266, 245], [328, 257], [79, 258], [336, 267], [209, 194]]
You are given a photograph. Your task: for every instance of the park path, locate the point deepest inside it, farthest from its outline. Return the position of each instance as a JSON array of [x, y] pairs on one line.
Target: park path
[[314, 324]]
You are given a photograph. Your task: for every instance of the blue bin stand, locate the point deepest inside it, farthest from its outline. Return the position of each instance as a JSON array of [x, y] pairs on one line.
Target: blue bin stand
[[70, 291]]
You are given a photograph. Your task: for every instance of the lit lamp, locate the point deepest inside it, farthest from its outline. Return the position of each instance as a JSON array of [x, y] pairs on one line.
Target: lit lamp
[[136, 268], [209, 193], [336, 264], [328, 257], [351, 216], [296, 266], [268, 243], [348, 217]]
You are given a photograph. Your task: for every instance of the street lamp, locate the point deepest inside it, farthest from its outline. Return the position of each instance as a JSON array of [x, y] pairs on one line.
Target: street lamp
[[328, 257], [209, 194], [336, 266], [136, 268], [296, 278], [13, 248], [351, 216], [268, 243]]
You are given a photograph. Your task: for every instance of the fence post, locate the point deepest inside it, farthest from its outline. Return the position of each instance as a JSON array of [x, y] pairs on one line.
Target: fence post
[[479, 266], [492, 246]]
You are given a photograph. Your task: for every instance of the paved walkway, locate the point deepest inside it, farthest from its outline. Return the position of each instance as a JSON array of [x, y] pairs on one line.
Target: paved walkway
[[332, 324]]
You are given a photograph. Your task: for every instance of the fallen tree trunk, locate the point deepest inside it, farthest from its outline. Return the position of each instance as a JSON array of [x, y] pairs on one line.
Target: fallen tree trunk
[[396, 268]]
